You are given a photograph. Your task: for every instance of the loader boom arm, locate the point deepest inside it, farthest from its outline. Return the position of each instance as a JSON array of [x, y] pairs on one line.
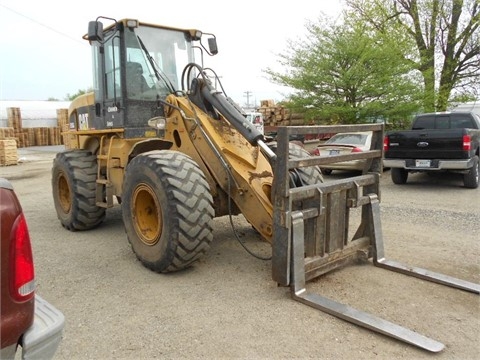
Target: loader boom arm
[[240, 170]]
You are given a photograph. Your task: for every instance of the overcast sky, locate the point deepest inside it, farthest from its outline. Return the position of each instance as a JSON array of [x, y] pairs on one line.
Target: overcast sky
[[43, 54]]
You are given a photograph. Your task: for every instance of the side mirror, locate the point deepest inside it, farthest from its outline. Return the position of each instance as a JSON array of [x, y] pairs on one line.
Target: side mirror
[[95, 31], [212, 45]]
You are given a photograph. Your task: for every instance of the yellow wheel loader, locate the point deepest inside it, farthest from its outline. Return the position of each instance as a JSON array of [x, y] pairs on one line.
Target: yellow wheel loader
[[159, 137]]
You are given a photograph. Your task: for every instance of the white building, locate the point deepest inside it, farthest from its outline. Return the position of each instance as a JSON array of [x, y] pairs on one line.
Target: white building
[[473, 106], [34, 113]]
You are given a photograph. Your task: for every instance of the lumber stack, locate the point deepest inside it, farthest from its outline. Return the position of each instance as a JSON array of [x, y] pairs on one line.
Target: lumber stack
[[278, 115]]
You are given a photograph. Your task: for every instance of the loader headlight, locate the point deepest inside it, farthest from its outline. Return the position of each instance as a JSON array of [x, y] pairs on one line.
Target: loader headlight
[[158, 123]]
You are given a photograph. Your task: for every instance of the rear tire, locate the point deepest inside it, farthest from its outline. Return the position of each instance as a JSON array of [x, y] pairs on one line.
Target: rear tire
[[470, 179], [167, 210], [74, 175], [399, 176]]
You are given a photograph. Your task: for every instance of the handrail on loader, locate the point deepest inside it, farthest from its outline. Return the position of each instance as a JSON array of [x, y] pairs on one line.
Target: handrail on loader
[[311, 237]]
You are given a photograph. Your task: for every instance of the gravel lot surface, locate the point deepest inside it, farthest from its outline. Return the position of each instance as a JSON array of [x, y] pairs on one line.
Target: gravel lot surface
[[227, 306]]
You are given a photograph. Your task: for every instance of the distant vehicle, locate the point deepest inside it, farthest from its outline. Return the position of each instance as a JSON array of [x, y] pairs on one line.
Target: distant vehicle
[[343, 144], [27, 320], [437, 142], [256, 119]]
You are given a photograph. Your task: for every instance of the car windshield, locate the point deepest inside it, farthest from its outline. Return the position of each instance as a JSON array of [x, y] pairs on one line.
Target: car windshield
[[350, 139]]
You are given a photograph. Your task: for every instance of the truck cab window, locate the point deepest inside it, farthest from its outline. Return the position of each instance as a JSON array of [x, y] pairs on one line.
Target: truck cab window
[[424, 122], [461, 122], [442, 122]]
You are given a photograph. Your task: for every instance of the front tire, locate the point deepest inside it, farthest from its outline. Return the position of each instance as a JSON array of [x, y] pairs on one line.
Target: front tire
[[167, 210], [74, 175], [470, 179]]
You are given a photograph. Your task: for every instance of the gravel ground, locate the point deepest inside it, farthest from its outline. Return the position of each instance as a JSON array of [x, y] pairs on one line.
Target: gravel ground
[[227, 306]]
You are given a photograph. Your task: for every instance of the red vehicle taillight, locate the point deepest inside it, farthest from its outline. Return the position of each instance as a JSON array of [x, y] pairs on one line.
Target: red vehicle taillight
[[356, 150], [386, 143], [467, 143], [21, 260]]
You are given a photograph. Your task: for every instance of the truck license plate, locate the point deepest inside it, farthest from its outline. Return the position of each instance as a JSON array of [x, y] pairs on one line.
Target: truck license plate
[[422, 163]]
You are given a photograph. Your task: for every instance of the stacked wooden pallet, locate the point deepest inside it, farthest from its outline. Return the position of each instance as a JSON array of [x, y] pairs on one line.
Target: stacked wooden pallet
[[37, 136], [8, 152], [7, 132], [14, 118], [63, 126]]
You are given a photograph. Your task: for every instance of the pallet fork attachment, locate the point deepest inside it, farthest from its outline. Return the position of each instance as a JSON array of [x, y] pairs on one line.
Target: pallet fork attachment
[[311, 232]]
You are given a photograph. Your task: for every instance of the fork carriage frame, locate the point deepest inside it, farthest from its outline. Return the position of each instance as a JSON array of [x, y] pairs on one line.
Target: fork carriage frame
[[311, 225]]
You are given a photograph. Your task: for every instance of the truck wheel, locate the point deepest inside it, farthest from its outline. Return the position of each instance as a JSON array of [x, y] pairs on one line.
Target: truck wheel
[[470, 179], [167, 210], [74, 175], [399, 176]]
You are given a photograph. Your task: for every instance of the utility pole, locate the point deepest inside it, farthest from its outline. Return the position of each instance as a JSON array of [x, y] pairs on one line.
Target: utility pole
[[247, 95]]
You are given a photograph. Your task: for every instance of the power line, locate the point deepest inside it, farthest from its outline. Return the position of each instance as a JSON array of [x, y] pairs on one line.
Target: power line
[[41, 24]]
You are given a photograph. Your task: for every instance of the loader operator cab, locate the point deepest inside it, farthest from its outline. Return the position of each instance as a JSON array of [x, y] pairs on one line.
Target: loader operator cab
[[136, 66], [136, 82]]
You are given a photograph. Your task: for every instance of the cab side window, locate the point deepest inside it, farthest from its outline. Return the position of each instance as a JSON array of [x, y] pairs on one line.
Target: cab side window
[[112, 68]]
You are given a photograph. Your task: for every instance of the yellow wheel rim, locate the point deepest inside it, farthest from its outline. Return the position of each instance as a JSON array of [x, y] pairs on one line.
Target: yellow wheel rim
[[147, 215], [64, 197]]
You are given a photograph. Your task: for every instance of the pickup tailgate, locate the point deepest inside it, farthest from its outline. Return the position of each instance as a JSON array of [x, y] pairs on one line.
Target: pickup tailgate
[[426, 144]]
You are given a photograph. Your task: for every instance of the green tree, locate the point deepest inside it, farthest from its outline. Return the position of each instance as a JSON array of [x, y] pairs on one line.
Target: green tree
[[78, 93], [445, 39], [347, 73]]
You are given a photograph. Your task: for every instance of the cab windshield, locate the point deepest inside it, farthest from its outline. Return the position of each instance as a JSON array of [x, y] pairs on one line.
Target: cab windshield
[[159, 56]]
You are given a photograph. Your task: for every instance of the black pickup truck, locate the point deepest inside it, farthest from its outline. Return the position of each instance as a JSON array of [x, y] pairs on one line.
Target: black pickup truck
[[447, 141]]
